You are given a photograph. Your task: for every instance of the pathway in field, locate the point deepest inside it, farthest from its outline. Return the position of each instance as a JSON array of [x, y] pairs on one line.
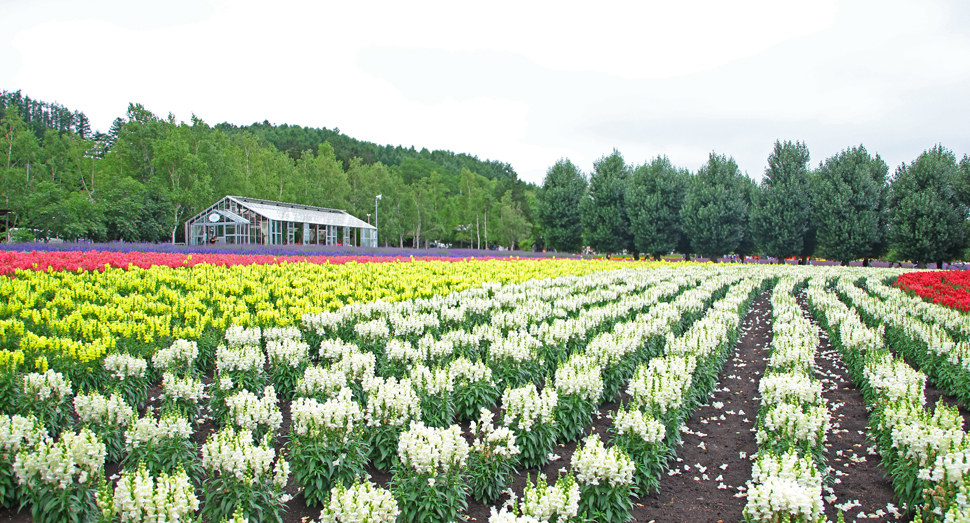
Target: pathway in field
[[859, 485], [702, 485]]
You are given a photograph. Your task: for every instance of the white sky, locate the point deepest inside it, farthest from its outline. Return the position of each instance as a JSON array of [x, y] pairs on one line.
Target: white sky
[[517, 81]]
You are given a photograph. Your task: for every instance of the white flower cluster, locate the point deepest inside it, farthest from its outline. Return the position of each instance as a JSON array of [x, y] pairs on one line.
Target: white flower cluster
[[492, 440], [179, 389], [375, 330], [250, 412], [95, 409], [786, 484], [525, 407], [390, 402], [232, 453], [431, 382], [661, 385], [321, 381], [180, 353], [323, 323], [149, 431], [281, 334], [594, 464], [49, 385], [580, 376], [122, 366], [412, 324], [336, 349], [545, 502], [287, 352], [73, 458], [464, 372], [517, 347], [238, 336], [506, 516], [357, 366], [636, 422], [432, 350], [895, 380], [17, 432], [795, 423], [361, 503], [402, 351], [339, 415], [430, 450], [141, 498], [790, 388], [240, 358]]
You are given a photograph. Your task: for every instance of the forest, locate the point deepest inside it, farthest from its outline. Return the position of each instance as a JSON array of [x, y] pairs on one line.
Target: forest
[[142, 179]]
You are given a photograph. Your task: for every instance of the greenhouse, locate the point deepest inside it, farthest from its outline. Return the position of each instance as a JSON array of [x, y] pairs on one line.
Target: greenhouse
[[240, 220]]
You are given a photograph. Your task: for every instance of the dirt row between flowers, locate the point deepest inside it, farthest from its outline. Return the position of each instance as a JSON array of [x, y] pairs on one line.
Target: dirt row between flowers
[[706, 482]]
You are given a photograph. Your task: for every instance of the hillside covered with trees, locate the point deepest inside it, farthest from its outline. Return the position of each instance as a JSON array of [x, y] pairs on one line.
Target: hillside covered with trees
[[142, 179]]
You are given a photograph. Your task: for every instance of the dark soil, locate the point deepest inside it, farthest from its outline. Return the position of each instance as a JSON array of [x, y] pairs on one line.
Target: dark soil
[[706, 482]]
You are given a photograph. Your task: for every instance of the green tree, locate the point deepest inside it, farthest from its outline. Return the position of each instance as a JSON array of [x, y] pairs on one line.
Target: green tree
[[559, 202], [604, 217], [928, 222], [849, 205], [715, 210], [654, 197], [512, 227], [781, 218]]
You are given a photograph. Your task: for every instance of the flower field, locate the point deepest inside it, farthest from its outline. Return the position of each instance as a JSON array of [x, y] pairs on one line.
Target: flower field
[[515, 391], [944, 287]]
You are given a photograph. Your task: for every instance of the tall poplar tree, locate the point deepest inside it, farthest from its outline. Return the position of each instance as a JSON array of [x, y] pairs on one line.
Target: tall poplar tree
[[928, 221], [849, 205], [715, 210], [654, 196], [563, 190], [605, 222], [781, 218]]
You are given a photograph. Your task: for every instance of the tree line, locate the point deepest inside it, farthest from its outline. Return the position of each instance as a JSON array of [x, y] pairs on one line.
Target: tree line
[[848, 207], [147, 175]]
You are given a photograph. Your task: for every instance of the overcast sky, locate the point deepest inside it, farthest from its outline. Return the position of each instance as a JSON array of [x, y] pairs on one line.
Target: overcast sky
[[522, 82]]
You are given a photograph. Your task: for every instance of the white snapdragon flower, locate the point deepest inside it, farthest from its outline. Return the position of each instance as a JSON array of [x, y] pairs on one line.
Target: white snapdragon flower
[[339, 415], [181, 352], [250, 412], [490, 439], [361, 503], [73, 458], [543, 501], [580, 376], [49, 385], [238, 336], [525, 407], [141, 498], [595, 464], [17, 432], [93, 408], [640, 424], [243, 358], [390, 402], [321, 380], [149, 431], [430, 450], [122, 366], [187, 389], [287, 352], [232, 453]]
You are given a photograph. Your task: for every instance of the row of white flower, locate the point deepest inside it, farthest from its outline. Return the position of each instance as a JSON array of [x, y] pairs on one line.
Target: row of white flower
[[918, 446], [793, 420]]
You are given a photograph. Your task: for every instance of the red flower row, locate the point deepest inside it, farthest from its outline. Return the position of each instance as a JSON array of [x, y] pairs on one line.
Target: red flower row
[[943, 287], [97, 260]]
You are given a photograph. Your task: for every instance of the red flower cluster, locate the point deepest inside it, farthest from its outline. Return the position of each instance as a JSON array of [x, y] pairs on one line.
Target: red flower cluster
[[943, 287], [97, 260]]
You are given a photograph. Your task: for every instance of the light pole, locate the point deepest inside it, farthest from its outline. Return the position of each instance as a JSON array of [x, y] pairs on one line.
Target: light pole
[[376, 199]]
